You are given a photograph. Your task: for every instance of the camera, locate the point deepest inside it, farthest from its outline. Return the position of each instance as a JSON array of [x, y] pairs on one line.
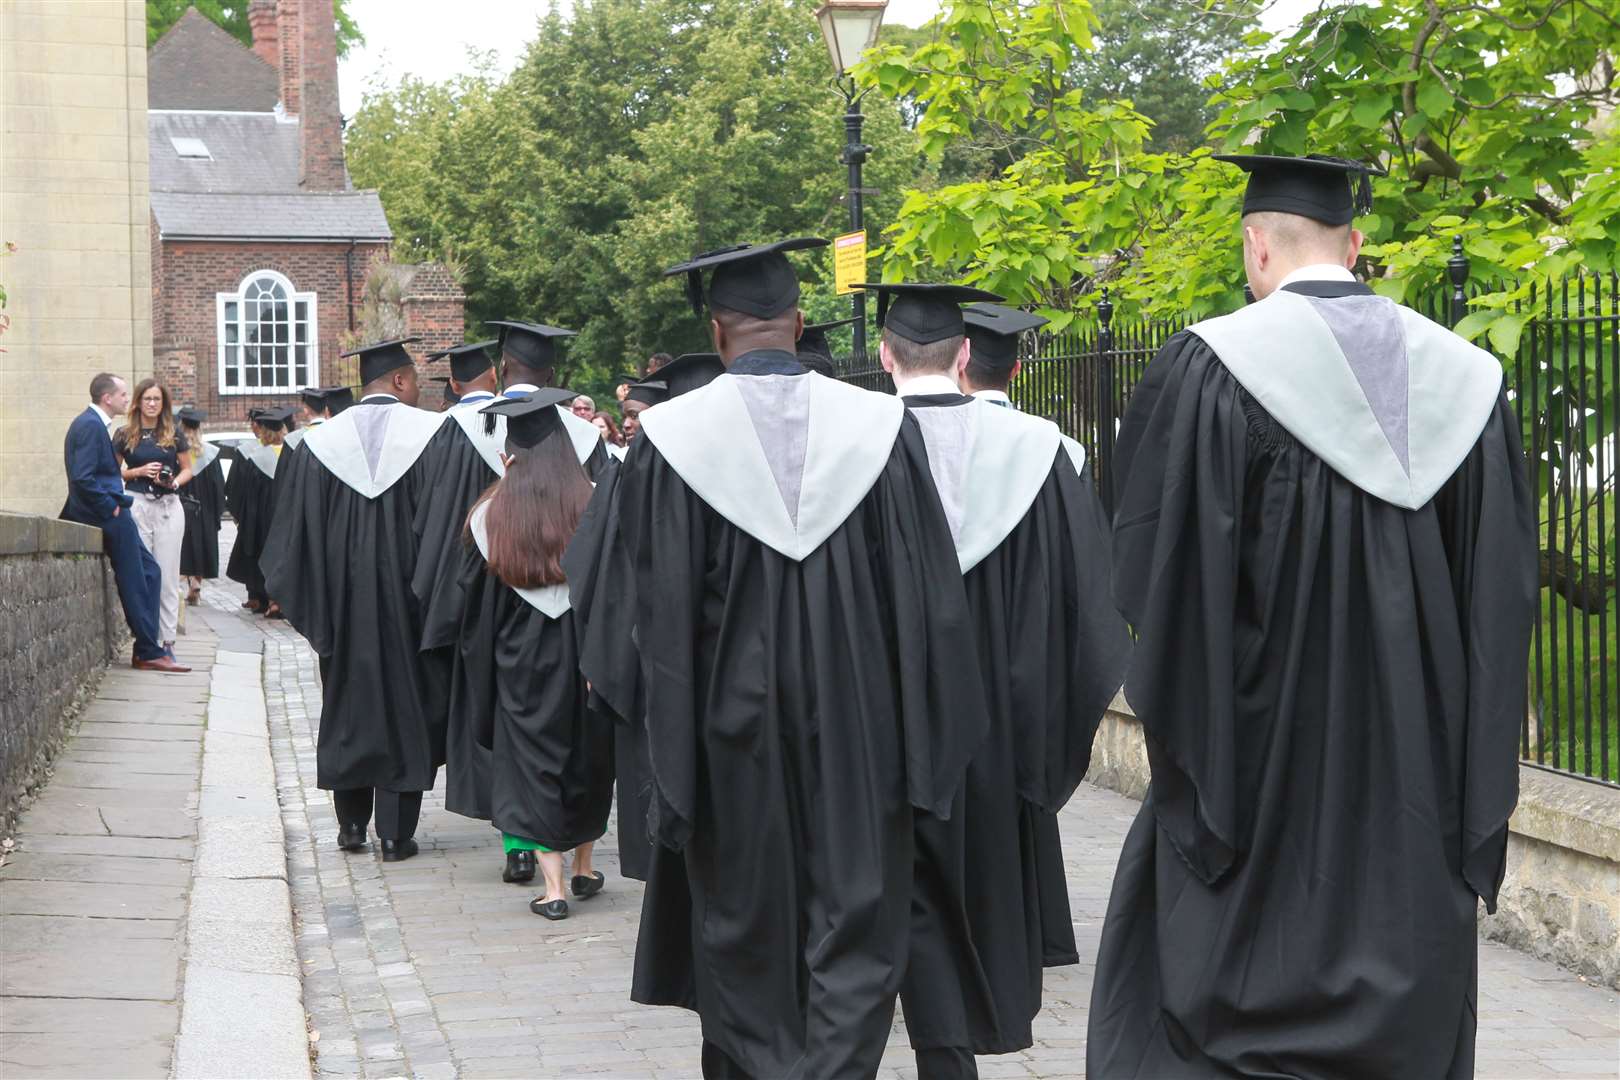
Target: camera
[[166, 476]]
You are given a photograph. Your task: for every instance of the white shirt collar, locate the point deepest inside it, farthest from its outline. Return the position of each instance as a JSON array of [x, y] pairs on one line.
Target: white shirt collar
[[1318, 272], [106, 419], [478, 395], [926, 384], [521, 388], [375, 397], [993, 395]]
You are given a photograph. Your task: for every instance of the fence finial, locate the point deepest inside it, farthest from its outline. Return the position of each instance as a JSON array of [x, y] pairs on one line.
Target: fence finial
[[1457, 270], [1105, 308]]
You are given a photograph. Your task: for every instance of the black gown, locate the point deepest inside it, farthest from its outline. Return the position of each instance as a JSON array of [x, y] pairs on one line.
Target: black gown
[[799, 712], [1331, 689], [339, 563], [530, 757], [199, 551], [250, 497], [1052, 651]]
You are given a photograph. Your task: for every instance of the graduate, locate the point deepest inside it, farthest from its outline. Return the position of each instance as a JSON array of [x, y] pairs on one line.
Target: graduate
[[815, 352], [312, 409], [640, 397], [993, 333], [250, 495], [600, 583], [531, 758], [203, 498], [1324, 540], [796, 572], [340, 563]]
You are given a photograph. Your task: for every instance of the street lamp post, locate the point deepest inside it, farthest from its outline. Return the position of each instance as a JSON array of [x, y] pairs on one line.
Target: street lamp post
[[850, 27]]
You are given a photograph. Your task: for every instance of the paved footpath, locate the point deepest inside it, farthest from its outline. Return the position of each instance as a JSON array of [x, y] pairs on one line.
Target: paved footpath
[[433, 967]]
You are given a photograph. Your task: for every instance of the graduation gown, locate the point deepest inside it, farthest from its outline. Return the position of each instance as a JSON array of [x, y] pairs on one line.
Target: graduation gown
[[340, 564], [531, 758], [1033, 546], [803, 702], [250, 496], [1330, 566], [199, 551]]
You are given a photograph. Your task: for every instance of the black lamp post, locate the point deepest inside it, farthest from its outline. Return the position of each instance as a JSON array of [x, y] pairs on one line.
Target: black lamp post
[[851, 27]]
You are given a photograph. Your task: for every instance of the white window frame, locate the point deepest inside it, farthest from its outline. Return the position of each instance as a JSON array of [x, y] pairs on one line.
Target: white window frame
[[229, 354]]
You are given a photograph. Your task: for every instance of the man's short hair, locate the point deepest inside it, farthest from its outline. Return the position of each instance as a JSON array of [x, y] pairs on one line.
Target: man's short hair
[[936, 356], [102, 385]]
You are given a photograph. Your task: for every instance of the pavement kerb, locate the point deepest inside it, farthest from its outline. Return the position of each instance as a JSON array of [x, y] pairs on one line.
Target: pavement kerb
[[242, 1012]]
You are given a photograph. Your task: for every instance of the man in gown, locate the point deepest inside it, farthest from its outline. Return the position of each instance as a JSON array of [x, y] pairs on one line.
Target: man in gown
[[340, 563], [250, 496], [993, 333], [815, 351], [803, 700], [1325, 541], [1032, 544]]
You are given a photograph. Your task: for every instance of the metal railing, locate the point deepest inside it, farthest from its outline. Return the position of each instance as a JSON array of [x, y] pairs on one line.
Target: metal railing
[[1564, 381]]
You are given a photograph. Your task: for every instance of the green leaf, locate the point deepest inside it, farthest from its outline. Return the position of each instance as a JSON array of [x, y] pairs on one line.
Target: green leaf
[[1474, 323], [1370, 112], [1434, 99], [1505, 333]]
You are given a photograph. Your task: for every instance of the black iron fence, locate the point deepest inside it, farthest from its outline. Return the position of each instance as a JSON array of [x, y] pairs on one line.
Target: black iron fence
[[1564, 380]]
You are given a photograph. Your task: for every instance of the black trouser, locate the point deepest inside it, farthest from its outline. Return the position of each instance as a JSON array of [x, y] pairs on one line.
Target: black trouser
[[719, 1065], [946, 1063], [397, 811]]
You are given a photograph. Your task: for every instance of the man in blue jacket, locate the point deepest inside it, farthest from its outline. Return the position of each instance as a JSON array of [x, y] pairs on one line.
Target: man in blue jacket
[[96, 496]]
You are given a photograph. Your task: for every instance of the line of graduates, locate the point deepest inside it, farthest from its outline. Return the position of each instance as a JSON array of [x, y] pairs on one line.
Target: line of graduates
[[844, 655]]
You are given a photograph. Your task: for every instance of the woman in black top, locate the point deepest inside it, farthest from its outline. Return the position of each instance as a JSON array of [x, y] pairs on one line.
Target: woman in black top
[[150, 452]]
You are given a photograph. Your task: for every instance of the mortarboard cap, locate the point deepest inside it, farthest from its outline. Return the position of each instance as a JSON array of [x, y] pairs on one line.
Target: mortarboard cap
[[314, 397], [1327, 189], [467, 361], [275, 419], [190, 414], [924, 313], [533, 344], [379, 359], [755, 279], [338, 398], [690, 371], [813, 342], [994, 330], [650, 392], [529, 417]]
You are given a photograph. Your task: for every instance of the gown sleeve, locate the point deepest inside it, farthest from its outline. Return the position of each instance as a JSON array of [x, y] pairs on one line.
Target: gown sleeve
[[456, 475], [297, 554], [601, 590], [1487, 516], [1178, 471]]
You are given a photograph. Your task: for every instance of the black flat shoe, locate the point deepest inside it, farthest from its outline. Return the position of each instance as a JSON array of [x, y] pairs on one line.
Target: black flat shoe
[[398, 850], [587, 887], [352, 838], [520, 867], [555, 910]]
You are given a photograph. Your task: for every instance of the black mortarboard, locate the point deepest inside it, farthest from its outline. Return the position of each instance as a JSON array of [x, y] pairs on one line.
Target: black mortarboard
[[379, 359], [275, 419], [314, 397], [338, 398], [190, 414], [924, 313], [813, 342], [534, 344], [1327, 189], [690, 371], [529, 417], [755, 279], [467, 361], [994, 331], [650, 392]]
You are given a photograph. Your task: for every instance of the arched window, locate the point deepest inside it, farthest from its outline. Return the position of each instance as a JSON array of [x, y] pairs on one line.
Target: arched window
[[267, 337]]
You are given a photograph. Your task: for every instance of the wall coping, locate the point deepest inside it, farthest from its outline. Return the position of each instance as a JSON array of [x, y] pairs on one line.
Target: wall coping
[[35, 534]]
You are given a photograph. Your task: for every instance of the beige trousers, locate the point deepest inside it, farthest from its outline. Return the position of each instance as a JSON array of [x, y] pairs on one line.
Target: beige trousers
[[162, 525]]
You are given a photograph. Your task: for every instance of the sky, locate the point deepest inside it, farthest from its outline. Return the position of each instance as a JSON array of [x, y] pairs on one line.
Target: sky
[[412, 37]]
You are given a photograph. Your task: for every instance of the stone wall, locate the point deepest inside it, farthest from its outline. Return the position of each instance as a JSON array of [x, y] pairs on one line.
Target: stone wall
[[1561, 897], [60, 623]]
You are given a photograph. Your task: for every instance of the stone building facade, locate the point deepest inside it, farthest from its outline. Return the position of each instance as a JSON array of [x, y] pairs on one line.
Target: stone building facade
[[73, 199], [260, 246]]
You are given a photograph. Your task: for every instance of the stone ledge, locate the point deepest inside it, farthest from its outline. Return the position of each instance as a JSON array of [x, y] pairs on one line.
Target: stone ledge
[[33, 534], [1571, 813]]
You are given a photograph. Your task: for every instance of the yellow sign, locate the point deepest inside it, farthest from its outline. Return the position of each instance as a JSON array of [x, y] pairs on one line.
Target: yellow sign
[[849, 261]]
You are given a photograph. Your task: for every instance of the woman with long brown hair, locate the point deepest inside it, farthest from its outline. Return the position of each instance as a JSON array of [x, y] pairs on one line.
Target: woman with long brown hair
[[524, 751], [152, 455]]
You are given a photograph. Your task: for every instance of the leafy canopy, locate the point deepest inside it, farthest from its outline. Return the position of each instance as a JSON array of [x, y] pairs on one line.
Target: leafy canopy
[[233, 16]]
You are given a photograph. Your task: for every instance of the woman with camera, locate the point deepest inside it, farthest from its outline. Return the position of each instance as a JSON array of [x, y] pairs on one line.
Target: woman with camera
[[150, 452]]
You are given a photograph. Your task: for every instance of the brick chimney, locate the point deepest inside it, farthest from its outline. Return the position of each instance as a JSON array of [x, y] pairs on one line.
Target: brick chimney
[[289, 42], [319, 118], [262, 21]]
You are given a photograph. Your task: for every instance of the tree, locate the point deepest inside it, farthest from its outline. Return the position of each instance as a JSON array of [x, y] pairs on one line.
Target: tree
[[233, 16], [631, 135]]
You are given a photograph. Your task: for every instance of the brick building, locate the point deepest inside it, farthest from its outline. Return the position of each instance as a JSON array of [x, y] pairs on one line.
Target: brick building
[[261, 247]]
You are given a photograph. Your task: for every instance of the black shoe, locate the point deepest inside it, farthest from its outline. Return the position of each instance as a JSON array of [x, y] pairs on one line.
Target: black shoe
[[555, 910], [352, 837], [587, 887], [398, 850], [519, 868]]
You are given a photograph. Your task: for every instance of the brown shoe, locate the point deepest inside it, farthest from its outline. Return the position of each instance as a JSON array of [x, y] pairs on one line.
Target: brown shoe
[[160, 663], [194, 596]]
